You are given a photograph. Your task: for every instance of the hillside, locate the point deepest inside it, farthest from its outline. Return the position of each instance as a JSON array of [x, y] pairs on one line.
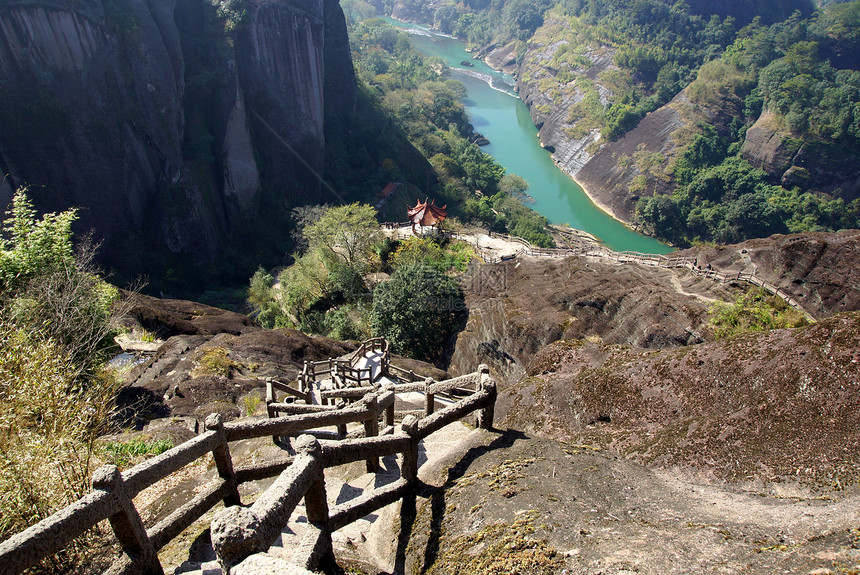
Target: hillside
[[663, 112], [760, 408]]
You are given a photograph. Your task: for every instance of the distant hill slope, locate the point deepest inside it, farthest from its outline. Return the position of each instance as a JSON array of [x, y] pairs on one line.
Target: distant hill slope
[[636, 102]]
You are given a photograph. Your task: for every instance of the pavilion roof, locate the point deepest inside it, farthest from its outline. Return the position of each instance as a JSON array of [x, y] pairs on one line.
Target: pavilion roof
[[427, 214]]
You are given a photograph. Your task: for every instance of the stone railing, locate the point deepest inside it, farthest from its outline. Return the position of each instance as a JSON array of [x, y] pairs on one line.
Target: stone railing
[[238, 533], [114, 490]]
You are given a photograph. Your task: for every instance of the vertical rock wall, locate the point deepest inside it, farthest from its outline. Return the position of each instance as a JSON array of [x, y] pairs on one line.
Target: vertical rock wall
[[162, 123]]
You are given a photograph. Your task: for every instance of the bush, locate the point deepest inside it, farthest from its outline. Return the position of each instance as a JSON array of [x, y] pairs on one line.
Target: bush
[[56, 322], [753, 311], [416, 310], [33, 247], [49, 422], [439, 253], [124, 453]]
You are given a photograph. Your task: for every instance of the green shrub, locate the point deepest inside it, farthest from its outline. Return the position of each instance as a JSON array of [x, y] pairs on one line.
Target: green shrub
[[124, 453], [215, 361], [753, 311], [416, 310]]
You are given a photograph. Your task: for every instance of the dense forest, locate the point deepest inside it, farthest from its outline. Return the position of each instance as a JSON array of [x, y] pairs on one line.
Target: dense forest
[[786, 70], [784, 61]]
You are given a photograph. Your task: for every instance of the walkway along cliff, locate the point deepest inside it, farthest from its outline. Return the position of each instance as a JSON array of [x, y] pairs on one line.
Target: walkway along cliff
[[239, 533]]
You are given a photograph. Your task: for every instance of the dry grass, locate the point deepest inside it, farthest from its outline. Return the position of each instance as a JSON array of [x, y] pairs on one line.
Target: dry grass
[[49, 422]]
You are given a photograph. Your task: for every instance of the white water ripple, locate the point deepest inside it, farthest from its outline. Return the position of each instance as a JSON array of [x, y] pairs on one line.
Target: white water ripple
[[502, 82]]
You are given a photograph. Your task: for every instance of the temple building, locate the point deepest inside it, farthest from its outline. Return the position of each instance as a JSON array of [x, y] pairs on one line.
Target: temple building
[[426, 216]]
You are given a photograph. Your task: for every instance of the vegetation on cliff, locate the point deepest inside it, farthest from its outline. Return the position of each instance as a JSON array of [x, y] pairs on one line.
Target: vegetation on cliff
[[329, 289], [426, 105], [600, 66], [786, 70], [56, 324]]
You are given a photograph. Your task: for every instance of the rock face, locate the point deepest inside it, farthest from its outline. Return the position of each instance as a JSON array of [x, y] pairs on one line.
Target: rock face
[[610, 182], [517, 308], [791, 162], [767, 405], [164, 120]]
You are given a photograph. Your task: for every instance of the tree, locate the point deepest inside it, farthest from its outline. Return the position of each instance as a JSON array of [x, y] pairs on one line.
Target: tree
[[513, 185], [52, 292], [31, 246], [347, 231], [416, 310]]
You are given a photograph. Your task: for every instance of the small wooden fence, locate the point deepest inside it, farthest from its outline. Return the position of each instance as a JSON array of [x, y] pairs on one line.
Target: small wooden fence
[[113, 491]]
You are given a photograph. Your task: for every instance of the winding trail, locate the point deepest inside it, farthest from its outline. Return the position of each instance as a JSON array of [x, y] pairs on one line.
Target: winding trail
[[492, 248]]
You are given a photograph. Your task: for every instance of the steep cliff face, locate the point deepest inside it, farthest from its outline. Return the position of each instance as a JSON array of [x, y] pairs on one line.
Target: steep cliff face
[[165, 121], [553, 111], [792, 162], [90, 123]]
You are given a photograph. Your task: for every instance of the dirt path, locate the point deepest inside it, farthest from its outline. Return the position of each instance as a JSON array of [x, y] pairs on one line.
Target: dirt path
[[559, 508]]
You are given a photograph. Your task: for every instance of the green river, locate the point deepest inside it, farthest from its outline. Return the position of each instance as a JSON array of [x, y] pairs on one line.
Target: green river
[[498, 113]]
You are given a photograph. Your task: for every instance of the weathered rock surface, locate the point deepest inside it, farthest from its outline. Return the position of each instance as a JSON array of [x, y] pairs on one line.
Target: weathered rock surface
[[819, 270], [165, 318], [516, 503], [774, 406], [516, 308]]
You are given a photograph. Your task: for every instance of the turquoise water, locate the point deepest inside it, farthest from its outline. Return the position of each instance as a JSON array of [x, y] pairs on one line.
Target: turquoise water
[[497, 113]]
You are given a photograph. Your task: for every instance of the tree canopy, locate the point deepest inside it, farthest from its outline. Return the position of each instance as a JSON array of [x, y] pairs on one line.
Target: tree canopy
[[347, 232], [417, 310]]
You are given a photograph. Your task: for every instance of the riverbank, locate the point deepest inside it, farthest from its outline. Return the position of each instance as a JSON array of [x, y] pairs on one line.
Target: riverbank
[[604, 207], [502, 117]]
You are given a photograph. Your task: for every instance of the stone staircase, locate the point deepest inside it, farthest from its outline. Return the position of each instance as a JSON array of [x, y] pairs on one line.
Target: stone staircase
[[342, 485]]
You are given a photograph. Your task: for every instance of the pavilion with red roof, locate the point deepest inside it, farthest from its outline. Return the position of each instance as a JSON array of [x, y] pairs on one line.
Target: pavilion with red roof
[[426, 214]]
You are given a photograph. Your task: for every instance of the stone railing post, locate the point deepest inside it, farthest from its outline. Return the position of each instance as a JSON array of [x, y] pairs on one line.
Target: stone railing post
[[127, 525], [388, 416], [429, 398], [316, 506], [272, 398], [409, 471], [238, 532], [223, 461], [371, 427], [486, 415]]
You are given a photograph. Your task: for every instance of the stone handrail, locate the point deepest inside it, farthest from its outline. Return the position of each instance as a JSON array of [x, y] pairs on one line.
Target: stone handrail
[[372, 345], [402, 373], [273, 386], [349, 376], [238, 533], [111, 499], [113, 491]]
